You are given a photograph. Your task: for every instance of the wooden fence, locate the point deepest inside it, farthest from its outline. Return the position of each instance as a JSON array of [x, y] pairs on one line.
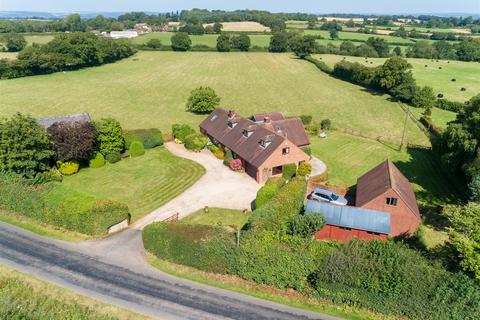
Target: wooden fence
[[172, 218]]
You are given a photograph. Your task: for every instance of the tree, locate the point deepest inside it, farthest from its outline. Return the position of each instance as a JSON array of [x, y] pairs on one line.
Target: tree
[[380, 45], [333, 34], [405, 90], [278, 42], [393, 72], [109, 136], [303, 46], [72, 140], [74, 23], [202, 100], [223, 43], [424, 98], [15, 42], [397, 51], [465, 235], [217, 27], [474, 189], [347, 48], [24, 146], [241, 42], [154, 44], [181, 42]]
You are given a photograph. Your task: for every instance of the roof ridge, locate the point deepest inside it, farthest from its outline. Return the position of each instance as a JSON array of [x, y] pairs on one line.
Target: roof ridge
[[390, 174]]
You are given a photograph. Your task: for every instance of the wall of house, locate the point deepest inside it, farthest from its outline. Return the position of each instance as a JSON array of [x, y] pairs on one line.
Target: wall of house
[[330, 232], [403, 220], [276, 159]]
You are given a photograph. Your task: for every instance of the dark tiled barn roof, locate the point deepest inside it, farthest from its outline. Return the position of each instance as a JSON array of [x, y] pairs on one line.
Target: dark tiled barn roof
[[48, 122], [250, 149], [383, 177], [274, 116], [293, 130]]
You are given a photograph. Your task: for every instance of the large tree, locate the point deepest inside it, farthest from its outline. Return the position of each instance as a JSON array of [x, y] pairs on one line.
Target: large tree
[[14, 42], [241, 42], [303, 46], [424, 98], [394, 72], [278, 42], [223, 43], [202, 100], [181, 42], [380, 45], [24, 146], [72, 140]]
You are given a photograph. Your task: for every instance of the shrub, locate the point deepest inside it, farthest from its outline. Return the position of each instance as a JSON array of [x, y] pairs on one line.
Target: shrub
[[181, 131], [113, 157], [109, 136], [150, 138], [326, 124], [228, 157], [68, 168], [304, 169], [445, 104], [213, 148], [236, 165], [307, 150], [14, 42], [72, 140], [219, 154], [322, 66], [269, 190], [136, 149], [97, 161], [181, 42], [202, 100], [289, 170], [154, 44], [306, 225], [223, 43], [313, 129], [195, 142], [306, 119]]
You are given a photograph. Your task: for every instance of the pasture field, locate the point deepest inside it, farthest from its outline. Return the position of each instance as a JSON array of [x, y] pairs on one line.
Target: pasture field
[[38, 38], [23, 296], [243, 26], [218, 217], [150, 90], [467, 74], [342, 35], [348, 157], [8, 55], [143, 183], [260, 40], [440, 117]]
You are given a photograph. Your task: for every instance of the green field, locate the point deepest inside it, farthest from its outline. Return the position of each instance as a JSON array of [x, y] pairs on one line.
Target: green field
[[440, 118], [218, 217], [150, 90], [8, 55], [348, 157], [260, 40], [467, 74], [144, 183], [39, 38], [342, 35]]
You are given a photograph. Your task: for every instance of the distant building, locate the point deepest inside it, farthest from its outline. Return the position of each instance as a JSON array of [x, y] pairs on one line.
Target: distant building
[[143, 28], [48, 122], [262, 146], [171, 26], [126, 34]]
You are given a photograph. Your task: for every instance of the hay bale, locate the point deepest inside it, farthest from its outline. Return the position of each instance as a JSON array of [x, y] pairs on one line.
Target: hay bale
[[426, 66], [453, 80], [439, 67], [463, 89]]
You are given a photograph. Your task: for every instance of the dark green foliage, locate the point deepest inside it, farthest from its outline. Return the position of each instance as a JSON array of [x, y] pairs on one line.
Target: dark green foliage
[[306, 225], [326, 124], [217, 27], [319, 64], [202, 100], [109, 136], [380, 45], [241, 42], [72, 140], [474, 189], [181, 131], [202, 247], [397, 51], [195, 142], [268, 191], [150, 138], [424, 98], [228, 157], [306, 119], [24, 146], [307, 150], [181, 42], [136, 149], [445, 104], [97, 161], [313, 129], [113, 157], [223, 43], [353, 72], [333, 34], [154, 44], [393, 72], [289, 170], [278, 42], [190, 28], [14, 42], [303, 46]]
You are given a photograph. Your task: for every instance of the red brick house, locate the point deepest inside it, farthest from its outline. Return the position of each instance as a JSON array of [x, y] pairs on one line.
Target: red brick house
[[263, 146], [385, 188]]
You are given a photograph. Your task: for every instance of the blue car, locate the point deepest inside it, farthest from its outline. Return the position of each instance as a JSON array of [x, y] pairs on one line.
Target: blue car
[[328, 196]]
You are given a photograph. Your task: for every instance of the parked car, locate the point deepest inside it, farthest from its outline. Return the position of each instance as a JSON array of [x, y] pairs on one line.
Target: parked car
[[328, 196]]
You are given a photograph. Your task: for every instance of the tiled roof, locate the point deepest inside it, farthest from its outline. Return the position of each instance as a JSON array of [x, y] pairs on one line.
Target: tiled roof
[[48, 122], [274, 116]]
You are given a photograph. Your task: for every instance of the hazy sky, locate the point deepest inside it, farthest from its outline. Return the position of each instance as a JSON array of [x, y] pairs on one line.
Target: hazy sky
[[311, 6]]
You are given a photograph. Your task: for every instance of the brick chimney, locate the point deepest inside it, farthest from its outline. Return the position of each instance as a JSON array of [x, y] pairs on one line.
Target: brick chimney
[[231, 114], [267, 120]]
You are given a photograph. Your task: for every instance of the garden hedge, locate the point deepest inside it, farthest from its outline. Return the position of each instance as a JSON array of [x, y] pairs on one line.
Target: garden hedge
[[181, 131], [269, 190], [97, 161], [289, 170], [195, 142]]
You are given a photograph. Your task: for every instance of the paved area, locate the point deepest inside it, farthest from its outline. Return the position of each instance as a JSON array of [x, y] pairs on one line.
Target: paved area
[[219, 187], [318, 166]]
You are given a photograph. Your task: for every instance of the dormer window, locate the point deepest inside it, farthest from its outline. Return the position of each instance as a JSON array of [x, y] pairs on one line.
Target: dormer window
[[265, 143], [247, 133], [232, 124]]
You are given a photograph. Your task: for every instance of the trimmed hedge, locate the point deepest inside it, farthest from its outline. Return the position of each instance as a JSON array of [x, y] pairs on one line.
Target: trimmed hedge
[[269, 190], [68, 168], [319, 64], [289, 170], [97, 161], [137, 149], [304, 168], [150, 138], [195, 142], [448, 105], [113, 157], [181, 131]]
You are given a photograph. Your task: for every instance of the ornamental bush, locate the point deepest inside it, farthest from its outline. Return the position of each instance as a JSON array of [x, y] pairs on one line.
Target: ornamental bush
[[326, 124], [97, 161], [304, 169], [236, 165], [195, 142], [72, 140], [181, 131], [202, 100], [113, 157], [219, 154], [289, 170], [109, 136], [228, 157], [137, 149], [306, 119], [68, 168], [269, 190]]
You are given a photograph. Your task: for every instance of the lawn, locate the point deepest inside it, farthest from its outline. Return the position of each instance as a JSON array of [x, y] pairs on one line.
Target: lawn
[[243, 26], [218, 217], [150, 90], [348, 157], [440, 117], [144, 183], [467, 74], [260, 40]]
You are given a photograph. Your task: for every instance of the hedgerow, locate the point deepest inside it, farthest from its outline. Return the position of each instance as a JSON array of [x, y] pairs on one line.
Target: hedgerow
[[181, 131], [270, 189]]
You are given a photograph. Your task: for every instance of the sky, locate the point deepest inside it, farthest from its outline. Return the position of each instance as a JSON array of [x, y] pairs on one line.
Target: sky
[[308, 6]]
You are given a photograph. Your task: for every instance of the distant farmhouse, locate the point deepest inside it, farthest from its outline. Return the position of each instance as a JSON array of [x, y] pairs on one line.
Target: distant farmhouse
[[264, 143], [126, 34], [385, 205], [171, 26], [48, 122], [143, 28]]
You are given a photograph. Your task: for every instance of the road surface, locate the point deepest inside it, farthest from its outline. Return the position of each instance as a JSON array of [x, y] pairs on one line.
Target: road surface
[[109, 273]]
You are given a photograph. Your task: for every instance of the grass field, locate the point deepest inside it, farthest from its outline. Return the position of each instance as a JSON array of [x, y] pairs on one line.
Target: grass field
[[8, 55], [348, 157], [439, 117], [218, 217], [25, 297], [38, 38], [151, 89], [358, 36], [144, 183], [242, 26], [260, 40], [467, 74]]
